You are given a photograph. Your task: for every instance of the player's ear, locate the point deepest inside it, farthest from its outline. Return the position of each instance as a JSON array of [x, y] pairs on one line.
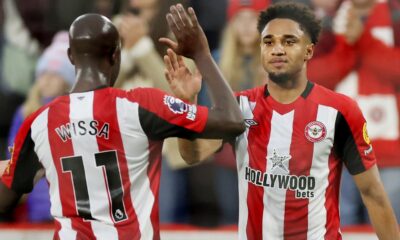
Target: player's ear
[[115, 56], [309, 52], [71, 58]]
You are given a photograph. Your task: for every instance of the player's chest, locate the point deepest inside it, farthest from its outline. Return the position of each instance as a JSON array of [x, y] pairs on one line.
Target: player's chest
[[290, 142]]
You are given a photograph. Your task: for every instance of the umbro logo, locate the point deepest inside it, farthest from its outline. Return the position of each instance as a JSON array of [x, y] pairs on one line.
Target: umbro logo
[[81, 98], [250, 122]]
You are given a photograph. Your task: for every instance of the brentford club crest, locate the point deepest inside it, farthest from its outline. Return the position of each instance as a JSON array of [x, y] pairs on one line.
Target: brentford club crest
[[315, 131]]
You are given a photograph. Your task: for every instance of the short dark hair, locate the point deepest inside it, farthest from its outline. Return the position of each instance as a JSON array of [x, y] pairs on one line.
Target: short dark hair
[[297, 12]]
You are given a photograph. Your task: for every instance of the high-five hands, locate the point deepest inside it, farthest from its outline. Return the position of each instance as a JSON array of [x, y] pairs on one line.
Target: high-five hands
[[191, 40], [182, 82]]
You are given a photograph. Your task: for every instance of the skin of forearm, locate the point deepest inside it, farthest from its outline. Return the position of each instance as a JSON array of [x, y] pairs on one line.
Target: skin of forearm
[[8, 199], [218, 88], [198, 150], [381, 215], [189, 151]]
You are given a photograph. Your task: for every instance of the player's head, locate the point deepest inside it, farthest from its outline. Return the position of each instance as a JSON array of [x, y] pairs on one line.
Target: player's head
[[94, 39], [289, 32]]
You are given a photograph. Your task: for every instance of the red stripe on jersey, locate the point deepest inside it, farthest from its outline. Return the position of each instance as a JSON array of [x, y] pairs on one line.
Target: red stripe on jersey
[[83, 228], [58, 116], [106, 111], [332, 199], [296, 209], [160, 103], [8, 176], [258, 142], [153, 173], [57, 230]]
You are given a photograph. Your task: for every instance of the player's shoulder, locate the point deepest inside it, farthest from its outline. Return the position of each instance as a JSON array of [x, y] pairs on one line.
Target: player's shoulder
[[142, 94], [336, 100], [44, 108], [145, 90], [135, 94], [252, 94], [31, 118]]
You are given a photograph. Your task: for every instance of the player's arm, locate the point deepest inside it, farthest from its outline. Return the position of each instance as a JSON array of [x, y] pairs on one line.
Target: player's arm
[[195, 151], [186, 86], [9, 197], [224, 119], [353, 145], [22, 171], [377, 202]]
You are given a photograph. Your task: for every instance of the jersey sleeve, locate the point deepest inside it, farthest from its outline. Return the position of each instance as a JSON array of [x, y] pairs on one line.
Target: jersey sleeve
[[162, 115], [352, 144], [24, 163]]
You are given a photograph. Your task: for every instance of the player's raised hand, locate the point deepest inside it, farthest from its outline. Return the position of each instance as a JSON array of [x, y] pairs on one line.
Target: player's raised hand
[[183, 83], [191, 40]]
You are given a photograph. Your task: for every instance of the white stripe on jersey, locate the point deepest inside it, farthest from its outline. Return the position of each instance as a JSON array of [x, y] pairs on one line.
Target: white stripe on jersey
[[66, 232], [142, 197], [242, 159], [274, 198], [104, 231], [81, 108], [317, 214], [40, 135]]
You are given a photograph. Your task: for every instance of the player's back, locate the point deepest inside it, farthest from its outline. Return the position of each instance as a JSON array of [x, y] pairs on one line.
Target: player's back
[[101, 151], [102, 169]]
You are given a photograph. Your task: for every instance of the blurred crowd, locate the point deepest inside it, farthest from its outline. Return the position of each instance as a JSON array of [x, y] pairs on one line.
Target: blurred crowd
[[358, 54]]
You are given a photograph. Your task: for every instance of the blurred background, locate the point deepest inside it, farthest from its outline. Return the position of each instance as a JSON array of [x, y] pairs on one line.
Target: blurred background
[[358, 54]]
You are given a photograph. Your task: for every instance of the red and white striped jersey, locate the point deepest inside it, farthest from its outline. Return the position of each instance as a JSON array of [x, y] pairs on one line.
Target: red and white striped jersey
[[289, 162], [101, 151]]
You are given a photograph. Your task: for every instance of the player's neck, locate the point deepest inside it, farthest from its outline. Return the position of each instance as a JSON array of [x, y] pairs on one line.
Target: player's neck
[[88, 79], [289, 91]]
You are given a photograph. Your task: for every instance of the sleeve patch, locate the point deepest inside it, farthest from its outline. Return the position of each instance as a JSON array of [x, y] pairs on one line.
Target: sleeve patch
[[177, 106], [365, 134]]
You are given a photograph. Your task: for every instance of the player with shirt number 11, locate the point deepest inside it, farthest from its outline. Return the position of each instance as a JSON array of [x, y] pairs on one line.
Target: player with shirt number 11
[[100, 147]]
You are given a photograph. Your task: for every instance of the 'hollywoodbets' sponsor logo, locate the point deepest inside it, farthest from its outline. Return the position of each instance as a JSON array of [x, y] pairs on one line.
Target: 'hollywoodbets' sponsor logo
[[302, 185]]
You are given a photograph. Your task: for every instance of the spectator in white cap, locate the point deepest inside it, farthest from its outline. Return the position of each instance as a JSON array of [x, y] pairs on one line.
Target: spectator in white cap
[[54, 76], [54, 73]]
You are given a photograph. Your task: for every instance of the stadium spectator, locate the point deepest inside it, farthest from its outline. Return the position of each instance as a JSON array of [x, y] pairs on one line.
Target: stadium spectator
[[141, 65]]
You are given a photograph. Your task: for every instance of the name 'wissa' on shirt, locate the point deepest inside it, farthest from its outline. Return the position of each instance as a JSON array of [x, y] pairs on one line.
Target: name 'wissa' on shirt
[[81, 128]]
